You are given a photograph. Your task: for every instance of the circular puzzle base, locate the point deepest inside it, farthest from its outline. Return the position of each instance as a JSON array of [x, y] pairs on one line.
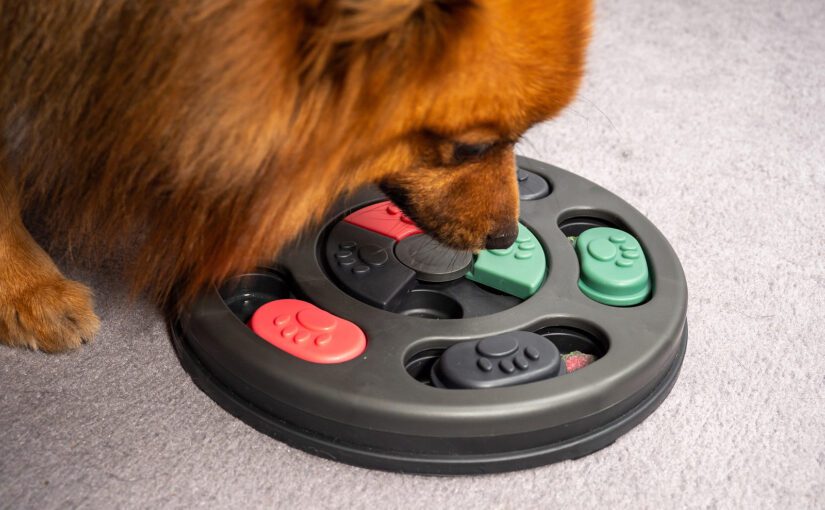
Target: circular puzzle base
[[368, 343]]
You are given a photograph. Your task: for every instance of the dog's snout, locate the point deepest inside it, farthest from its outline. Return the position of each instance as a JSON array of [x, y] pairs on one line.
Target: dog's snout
[[500, 239]]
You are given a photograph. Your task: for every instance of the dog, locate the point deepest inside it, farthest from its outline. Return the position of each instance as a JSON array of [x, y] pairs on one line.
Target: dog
[[200, 136]]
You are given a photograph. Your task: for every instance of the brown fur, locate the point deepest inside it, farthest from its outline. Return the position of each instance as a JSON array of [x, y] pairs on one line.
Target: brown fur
[[208, 133]]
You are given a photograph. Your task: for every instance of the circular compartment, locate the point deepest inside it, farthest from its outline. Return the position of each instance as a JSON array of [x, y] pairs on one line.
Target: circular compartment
[[374, 411], [428, 304], [474, 299], [420, 365], [246, 293], [569, 339], [575, 225]]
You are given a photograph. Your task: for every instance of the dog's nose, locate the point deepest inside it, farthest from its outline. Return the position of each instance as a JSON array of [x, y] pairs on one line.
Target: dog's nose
[[500, 239]]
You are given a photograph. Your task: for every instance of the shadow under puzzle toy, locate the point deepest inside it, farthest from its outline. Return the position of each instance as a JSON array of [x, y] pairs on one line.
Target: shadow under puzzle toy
[[371, 344]]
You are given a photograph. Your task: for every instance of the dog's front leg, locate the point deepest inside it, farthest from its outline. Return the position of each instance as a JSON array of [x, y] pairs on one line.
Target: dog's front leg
[[39, 307]]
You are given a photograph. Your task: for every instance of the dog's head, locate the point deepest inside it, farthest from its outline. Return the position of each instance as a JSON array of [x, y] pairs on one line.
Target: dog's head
[[219, 129], [439, 91]]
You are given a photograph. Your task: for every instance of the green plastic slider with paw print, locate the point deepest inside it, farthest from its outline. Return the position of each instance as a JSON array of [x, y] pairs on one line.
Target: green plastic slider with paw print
[[518, 270], [613, 268]]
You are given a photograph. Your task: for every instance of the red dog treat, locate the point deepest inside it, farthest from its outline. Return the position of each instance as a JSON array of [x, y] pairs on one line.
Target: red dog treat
[[576, 360], [307, 332]]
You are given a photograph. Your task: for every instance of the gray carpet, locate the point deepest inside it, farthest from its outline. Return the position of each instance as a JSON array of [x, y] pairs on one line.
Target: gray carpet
[[707, 116]]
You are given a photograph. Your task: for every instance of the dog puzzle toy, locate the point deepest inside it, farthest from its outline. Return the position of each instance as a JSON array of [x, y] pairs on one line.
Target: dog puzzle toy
[[370, 343]]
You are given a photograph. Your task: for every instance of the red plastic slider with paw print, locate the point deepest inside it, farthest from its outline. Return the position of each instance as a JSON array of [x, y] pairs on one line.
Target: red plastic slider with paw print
[[307, 332], [384, 218]]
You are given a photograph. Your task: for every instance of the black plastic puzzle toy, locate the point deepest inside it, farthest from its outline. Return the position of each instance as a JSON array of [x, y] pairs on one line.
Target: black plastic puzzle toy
[[369, 343]]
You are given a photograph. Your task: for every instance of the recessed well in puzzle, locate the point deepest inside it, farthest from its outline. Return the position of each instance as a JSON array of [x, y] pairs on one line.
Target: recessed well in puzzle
[[370, 343]]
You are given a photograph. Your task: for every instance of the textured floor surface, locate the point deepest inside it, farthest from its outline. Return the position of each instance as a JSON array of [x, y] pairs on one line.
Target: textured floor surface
[[708, 117]]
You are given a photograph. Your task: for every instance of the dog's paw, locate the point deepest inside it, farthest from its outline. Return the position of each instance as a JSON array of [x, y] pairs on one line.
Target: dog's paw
[[50, 314]]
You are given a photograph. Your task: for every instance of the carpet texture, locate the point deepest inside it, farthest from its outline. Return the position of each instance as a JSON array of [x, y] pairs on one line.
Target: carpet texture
[[707, 116]]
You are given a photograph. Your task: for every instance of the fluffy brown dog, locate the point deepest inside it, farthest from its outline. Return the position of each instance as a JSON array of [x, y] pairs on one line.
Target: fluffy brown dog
[[207, 133]]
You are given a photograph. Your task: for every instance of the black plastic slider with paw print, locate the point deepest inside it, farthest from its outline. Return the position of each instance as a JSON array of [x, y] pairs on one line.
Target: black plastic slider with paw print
[[507, 359]]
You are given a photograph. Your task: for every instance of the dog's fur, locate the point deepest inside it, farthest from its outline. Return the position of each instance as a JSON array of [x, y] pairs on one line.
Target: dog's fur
[[207, 133]]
